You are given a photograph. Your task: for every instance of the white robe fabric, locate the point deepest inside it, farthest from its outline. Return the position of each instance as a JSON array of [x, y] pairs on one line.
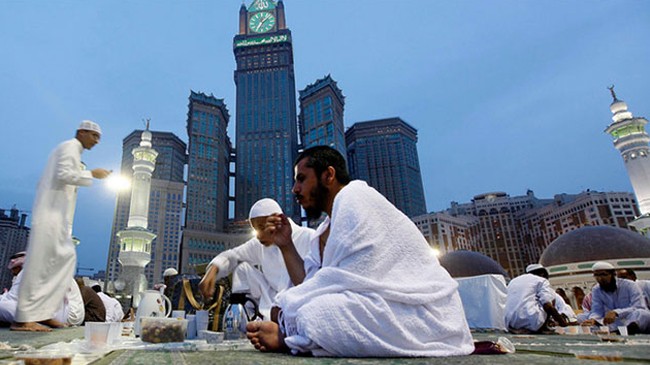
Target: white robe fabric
[[9, 300], [273, 278], [380, 291], [563, 308], [51, 257], [527, 295], [114, 310]]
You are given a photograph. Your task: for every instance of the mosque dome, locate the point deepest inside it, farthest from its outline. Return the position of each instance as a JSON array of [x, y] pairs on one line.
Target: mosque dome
[[595, 243], [463, 263]]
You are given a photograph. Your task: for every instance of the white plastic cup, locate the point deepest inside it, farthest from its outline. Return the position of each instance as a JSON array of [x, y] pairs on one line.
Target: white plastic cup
[[622, 330], [178, 314], [191, 326], [202, 318]]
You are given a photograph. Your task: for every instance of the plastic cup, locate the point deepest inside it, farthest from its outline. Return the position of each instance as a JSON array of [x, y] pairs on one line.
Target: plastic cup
[[191, 326], [97, 334], [178, 314], [622, 330], [586, 330], [202, 318]]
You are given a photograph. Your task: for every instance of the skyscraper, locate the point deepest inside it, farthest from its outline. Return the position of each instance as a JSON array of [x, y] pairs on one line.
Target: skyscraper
[[165, 208], [631, 139], [14, 235], [206, 213], [321, 115], [384, 153], [266, 130]]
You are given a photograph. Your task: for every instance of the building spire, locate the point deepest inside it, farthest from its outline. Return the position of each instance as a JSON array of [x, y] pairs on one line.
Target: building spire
[[611, 90]]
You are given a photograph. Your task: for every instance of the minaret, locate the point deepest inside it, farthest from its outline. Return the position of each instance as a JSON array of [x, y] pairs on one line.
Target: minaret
[[135, 240], [631, 139]]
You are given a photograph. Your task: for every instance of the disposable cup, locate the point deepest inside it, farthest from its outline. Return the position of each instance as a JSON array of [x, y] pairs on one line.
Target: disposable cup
[[622, 330], [178, 314]]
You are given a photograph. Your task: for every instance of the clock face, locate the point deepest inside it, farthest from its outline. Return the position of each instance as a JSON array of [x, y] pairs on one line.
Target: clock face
[[261, 22]]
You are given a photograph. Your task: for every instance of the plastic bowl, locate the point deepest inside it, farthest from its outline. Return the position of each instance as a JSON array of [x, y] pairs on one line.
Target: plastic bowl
[[602, 355], [211, 336], [45, 357], [161, 330]]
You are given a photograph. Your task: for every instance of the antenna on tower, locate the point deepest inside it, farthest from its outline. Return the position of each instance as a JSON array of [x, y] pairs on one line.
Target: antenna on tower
[[611, 90]]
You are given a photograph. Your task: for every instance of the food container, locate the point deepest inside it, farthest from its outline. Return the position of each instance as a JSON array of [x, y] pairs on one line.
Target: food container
[[45, 357], [159, 330], [572, 330], [602, 355], [211, 336]]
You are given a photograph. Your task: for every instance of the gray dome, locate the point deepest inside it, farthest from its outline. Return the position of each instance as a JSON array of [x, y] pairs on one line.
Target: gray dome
[[462, 264], [595, 243]]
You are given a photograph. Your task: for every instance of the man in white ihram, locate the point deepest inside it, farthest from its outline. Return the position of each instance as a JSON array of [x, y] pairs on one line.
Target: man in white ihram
[[262, 285], [51, 256]]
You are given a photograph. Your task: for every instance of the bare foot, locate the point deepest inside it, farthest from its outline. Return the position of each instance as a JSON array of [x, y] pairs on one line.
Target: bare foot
[[266, 336], [29, 327], [54, 323]]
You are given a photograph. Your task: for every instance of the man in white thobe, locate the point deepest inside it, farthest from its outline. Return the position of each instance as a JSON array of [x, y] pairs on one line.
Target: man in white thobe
[[371, 285], [531, 301], [262, 284], [51, 256], [644, 285], [617, 302], [114, 310]]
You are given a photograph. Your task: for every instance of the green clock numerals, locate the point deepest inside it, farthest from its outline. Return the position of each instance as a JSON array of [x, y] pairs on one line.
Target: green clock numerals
[[261, 22]]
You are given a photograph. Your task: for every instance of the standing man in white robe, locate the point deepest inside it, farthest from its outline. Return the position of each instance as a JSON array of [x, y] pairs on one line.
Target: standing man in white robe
[[260, 285], [51, 254], [372, 286]]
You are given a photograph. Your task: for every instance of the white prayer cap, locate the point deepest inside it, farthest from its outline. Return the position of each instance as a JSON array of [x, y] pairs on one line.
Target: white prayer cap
[[89, 125], [264, 208], [533, 267], [602, 265], [170, 272]]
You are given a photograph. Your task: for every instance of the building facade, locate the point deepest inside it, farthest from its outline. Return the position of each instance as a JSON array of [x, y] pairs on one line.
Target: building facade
[[14, 235], [266, 127], [165, 204], [320, 120], [384, 154], [514, 231], [631, 140]]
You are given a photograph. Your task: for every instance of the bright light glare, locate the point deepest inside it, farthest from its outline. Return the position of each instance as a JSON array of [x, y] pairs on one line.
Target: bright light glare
[[436, 252], [118, 182]]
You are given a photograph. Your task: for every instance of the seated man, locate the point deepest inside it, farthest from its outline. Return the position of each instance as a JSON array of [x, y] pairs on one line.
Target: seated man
[[71, 311], [617, 302], [373, 286], [260, 285], [531, 301], [114, 310], [644, 285], [93, 305], [564, 308]]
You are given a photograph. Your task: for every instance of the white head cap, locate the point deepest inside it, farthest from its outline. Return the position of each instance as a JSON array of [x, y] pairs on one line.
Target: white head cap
[[264, 208], [170, 272], [89, 125], [533, 267], [602, 265]]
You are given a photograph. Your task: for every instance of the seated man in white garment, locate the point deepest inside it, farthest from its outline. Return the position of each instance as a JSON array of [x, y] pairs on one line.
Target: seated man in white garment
[[261, 284], [371, 285], [530, 302], [71, 311], [644, 285], [617, 302], [114, 310]]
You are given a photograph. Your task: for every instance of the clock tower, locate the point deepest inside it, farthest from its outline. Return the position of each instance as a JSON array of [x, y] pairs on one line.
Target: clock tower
[[266, 134]]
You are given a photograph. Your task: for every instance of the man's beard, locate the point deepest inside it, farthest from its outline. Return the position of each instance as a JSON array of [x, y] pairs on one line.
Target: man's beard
[[611, 287], [318, 195]]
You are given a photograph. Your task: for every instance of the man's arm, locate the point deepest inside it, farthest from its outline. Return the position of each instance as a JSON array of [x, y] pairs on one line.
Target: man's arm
[[559, 319], [278, 225], [68, 167]]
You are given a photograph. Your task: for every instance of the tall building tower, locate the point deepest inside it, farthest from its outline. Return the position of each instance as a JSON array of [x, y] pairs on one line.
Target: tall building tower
[[14, 235], [384, 154], [631, 139], [165, 208], [266, 131], [208, 168], [321, 115], [135, 240]]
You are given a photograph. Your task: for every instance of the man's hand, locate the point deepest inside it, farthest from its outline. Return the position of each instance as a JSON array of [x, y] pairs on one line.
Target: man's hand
[[610, 317], [207, 286], [278, 226], [590, 322], [100, 173]]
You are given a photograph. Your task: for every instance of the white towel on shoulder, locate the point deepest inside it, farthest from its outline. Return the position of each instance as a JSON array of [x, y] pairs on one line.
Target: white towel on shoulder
[[380, 291]]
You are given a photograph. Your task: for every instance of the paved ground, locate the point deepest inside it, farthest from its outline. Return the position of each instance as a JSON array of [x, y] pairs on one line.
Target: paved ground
[[538, 349]]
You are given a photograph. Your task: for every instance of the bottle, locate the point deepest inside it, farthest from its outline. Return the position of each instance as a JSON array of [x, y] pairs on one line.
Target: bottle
[[235, 317]]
